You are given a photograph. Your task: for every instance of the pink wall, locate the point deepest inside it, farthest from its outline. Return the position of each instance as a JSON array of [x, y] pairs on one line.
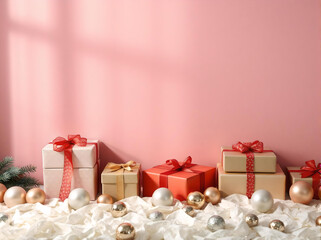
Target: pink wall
[[161, 79]]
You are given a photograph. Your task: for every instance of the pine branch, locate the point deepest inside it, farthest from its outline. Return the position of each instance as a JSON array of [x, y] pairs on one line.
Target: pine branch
[[27, 169], [12, 172], [5, 163]]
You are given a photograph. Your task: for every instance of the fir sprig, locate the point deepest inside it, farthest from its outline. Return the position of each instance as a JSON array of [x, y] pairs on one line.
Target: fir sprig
[[14, 176]]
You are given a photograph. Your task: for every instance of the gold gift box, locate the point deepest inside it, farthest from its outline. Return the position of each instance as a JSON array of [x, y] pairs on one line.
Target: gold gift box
[[234, 161], [230, 183], [121, 183]]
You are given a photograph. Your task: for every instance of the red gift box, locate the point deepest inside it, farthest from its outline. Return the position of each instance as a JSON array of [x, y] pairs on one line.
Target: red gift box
[[179, 178]]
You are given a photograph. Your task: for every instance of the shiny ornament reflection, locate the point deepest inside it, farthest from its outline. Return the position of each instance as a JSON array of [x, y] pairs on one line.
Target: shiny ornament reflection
[[3, 189], [277, 225], [318, 221], [252, 220], [162, 197], [3, 217], [14, 196], [212, 195], [301, 192], [125, 231], [35, 195], [78, 198], [156, 216], [262, 201], [105, 198], [189, 210], [196, 200], [118, 209], [215, 223]]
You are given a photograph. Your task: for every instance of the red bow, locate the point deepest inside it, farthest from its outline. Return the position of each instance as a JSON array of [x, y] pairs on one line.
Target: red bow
[[61, 144], [255, 146], [309, 170], [177, 167]]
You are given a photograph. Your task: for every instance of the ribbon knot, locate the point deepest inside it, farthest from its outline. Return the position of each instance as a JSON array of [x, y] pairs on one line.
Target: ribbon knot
[[125, 166], [60, 144], [245, 147], [177, 167]]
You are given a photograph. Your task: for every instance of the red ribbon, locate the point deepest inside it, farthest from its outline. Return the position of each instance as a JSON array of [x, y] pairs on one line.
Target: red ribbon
[[249, 148], [176, 167], [61, 144], [311, 170]]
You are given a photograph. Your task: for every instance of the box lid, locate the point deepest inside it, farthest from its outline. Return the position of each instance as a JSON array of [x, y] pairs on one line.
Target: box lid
[[109, 176]]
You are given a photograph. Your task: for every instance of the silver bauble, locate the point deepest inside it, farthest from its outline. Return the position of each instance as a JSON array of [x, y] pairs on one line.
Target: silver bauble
[[215, 223], [125, 231], [78, 198], [262, 201], [14, 196], [162, 197], [189, 210], [252, 220], [156, 216], [118, 209], [3, 217], [277, 225]]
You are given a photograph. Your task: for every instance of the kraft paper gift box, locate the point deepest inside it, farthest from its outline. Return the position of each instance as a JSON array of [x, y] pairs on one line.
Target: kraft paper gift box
[[180, 183], [314, 179], [121, 183], [234, 161], [230, 183], [85, 169]]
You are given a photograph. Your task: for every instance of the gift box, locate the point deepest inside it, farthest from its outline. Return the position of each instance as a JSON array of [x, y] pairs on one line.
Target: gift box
[[121, 180], [84, 167], [230, 183], [309, 173], [236, 161], [179, 178]]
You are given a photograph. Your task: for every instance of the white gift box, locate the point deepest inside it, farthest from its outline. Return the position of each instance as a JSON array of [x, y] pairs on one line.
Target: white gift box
[[85, 173]]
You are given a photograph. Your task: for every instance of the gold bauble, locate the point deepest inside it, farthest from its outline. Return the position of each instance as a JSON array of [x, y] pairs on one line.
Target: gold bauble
[[301, 192], [35, 195], [196, 200], [212, 195], [318, 221], [277, 225], [125, 231], [252, 220], [105, 198], [14, 196], [118, 209], [3, 189]]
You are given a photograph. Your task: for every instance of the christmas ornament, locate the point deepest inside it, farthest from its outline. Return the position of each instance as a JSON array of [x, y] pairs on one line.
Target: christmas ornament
[[17, 176], [189, 210], [262, 200], [162, 197], [252, 220], [156, 216], [277, 225], [3, 217], [215, 223], [125, 231], [36, 195], [3, 189], [318, 221], [118, 209], [301, 192], [14, 196], [105, 198], [212, 195], [196, 200], [78, 198]]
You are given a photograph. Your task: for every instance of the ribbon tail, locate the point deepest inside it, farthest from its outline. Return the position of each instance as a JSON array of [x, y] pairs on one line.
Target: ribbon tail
[[67, 175], [120, 185]]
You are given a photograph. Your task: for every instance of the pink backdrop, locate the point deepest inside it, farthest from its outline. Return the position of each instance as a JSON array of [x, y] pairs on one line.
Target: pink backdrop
[[161, 79]]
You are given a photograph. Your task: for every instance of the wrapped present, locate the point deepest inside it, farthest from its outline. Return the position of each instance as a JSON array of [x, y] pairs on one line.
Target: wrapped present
[[310, 173], [121, 180], [68, 164], [245, 183], [248, 157], [180, 178]]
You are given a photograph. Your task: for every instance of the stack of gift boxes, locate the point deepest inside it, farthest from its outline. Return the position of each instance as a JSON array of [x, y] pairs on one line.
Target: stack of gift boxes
[[244, 168]]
